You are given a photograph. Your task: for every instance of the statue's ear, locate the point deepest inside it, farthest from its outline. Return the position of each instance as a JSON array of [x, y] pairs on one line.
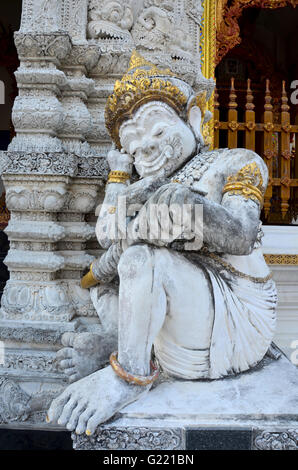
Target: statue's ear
[[195, 121]]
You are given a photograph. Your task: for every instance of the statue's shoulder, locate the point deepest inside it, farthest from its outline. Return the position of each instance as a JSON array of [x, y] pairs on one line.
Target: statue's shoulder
[[241, 159], [194, 169], [227, 162]]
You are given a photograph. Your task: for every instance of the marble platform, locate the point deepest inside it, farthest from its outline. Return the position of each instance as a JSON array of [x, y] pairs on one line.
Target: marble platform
[[255, 410]]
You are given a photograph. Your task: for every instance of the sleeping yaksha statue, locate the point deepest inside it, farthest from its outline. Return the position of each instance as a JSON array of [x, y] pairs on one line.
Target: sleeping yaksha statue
[[173, 305]]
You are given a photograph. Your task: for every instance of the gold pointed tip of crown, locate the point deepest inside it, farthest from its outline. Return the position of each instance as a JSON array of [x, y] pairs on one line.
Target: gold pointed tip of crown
[[137, 60], [88, 433]]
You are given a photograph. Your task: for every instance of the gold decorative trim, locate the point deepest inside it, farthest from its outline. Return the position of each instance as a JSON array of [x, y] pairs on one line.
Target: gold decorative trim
[[89, 280], [137, 87], [112, 210], [118, 177], [208, 54], [4, 213], [287, 260], [229, 13], [248, 183], [133, 379]]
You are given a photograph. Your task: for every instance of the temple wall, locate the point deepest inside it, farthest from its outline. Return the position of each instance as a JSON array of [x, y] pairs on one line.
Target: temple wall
[[71, 52]]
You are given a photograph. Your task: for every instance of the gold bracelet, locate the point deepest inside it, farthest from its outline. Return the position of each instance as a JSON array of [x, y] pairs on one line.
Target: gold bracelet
[[133, 379], [89, 280], [118, 177]]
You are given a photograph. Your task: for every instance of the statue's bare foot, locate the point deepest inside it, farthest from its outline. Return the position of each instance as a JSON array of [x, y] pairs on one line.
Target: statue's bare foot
[[84, 353], [86, 404]]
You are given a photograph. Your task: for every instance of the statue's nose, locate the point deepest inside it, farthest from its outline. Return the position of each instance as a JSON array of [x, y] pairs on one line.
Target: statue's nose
[[149, 147]]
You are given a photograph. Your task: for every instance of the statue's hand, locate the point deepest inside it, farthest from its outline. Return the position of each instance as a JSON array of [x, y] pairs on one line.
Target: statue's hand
[[120, 161], [140, 191], [172, 193], [171, 227]]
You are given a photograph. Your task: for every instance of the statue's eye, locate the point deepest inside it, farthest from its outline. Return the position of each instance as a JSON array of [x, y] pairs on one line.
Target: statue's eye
[[158, 133]]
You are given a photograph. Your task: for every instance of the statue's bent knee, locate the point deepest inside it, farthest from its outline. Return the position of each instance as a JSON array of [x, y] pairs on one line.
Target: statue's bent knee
[[134, 260]]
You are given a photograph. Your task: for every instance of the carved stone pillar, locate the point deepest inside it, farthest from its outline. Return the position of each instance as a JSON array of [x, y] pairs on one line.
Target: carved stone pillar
[[71, 52], [75, 92], [37, 113], [74, 19], [50, 187]]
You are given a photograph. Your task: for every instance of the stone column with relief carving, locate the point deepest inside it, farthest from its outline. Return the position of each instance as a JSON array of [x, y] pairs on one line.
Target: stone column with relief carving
[[50, 187]]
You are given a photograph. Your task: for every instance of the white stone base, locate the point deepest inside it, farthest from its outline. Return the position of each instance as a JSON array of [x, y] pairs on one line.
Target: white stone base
[[264, 399], [283, 240]]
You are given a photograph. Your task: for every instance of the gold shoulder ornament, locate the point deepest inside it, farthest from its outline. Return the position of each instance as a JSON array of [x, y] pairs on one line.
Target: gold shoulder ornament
[[248, 183]]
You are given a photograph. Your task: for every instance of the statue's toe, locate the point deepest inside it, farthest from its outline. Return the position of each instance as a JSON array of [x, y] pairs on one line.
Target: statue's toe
[[83, 420], [67, 411], [74, 419], [68, 339], [72, 374], [94, 421], [65, 353], [67, 364], [57, 406]]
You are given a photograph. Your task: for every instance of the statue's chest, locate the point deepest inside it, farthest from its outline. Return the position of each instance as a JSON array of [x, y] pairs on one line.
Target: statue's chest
[[204, 174]]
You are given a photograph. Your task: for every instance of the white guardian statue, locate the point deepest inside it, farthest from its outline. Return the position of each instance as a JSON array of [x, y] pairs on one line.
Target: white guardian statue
[[189, 297]]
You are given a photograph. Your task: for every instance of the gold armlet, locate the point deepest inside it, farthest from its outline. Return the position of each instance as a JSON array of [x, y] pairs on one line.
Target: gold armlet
[[133, 379], [89, 280], [245, 190], [118, 177], [248, 183]]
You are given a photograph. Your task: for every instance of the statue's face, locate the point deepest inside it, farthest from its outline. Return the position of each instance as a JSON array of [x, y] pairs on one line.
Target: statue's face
[[158, 139]]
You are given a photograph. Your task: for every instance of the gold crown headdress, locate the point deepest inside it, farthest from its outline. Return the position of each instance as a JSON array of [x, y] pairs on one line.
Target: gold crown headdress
[[144, 82]]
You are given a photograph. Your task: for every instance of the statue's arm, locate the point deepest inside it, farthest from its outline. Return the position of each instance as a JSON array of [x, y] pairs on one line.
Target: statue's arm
[[232, 226], [118, 162]]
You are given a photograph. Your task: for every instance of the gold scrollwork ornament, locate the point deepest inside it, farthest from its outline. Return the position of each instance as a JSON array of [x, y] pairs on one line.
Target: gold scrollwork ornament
[[248, 183]]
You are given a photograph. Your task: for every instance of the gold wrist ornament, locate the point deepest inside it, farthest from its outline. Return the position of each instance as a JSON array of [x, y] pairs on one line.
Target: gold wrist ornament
[[133, 379], [89, 280], [118, 177], [248, 183]]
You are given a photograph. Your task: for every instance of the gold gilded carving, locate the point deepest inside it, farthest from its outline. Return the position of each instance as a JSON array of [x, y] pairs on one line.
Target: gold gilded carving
[[143, 82], [133, 379], [290, 260], [4, 213], [89, 280], [208, 47], [229, 13], [118, 177], [248, 183]]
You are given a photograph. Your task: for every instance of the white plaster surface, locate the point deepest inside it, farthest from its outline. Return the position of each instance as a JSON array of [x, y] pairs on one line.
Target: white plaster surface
[[283, 240], [280, 240], [266, 393]]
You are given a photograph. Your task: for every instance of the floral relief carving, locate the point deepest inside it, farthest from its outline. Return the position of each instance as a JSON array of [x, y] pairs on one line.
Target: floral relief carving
[[41, 15], [110, 20], [14, 402], [130, 439], [156, 29], [74, 19], [36, 302], [277, 440], [30, 45]]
